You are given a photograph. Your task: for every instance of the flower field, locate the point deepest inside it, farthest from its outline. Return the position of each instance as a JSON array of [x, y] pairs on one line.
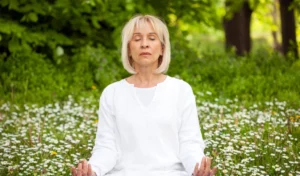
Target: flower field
[[262, 139]]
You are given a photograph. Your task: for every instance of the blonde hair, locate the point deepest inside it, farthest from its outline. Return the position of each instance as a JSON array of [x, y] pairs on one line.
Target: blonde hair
[[163, 34]]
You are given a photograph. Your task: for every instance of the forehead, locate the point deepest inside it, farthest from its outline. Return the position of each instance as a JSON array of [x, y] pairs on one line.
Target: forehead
[[144, 26]]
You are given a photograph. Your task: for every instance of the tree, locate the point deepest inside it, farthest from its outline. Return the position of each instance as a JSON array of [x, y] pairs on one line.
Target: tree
[[288, 27], [277, 46], [237, 26]]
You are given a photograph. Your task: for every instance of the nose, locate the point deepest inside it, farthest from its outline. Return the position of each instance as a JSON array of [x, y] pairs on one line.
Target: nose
[[144, 43]]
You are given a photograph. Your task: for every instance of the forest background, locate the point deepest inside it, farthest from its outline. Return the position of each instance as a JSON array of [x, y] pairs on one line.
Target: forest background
[[240, 56], [52, 49]]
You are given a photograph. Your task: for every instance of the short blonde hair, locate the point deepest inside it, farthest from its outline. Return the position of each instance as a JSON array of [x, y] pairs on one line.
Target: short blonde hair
[[163, 34]]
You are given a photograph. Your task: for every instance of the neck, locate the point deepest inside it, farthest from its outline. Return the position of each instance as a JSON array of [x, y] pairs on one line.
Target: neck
[[146, 79], [145, 76], [145, 69]]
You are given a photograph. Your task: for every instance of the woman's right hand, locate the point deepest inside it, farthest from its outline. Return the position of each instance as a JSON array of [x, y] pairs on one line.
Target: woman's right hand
[[83, 169]]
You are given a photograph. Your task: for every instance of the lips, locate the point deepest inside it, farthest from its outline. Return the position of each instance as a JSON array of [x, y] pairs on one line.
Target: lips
[[145, 54]]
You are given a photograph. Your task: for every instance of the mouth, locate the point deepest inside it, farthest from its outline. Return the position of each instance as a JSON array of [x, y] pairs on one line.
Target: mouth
[[145, 54]]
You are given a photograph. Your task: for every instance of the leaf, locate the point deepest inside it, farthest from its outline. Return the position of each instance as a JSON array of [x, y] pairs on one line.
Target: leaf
[[95, 22], [13, 45], [59, 51], [13, 4], [32, 17], [9, 27]]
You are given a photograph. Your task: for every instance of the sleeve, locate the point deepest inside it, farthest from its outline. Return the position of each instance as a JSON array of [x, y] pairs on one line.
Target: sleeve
[[190, 137], [104, 154]]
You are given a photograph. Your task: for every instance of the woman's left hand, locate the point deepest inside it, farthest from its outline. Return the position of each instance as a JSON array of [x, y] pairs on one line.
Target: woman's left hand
[[204, 169]]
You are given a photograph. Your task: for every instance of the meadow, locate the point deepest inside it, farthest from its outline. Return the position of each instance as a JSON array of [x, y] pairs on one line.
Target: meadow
[[262, 139]]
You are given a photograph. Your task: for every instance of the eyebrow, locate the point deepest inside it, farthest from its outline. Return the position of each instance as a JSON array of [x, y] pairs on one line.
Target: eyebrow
[[138, 33]]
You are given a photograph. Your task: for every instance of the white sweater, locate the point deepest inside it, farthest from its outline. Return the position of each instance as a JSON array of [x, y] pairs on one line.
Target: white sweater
[[161, 139]]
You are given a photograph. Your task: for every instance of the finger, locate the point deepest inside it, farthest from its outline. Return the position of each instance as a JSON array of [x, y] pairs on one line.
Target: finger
[[84, 168], [207, 168], [74, 171], [214, 171], [79, 169], [89, 170], [202, 167], [205, 162], [196, 169]]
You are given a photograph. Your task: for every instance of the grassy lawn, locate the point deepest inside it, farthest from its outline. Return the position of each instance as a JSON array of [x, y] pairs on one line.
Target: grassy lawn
[[261, 139]]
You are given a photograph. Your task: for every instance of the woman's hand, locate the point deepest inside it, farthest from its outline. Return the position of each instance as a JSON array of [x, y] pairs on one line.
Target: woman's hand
[[83, 169], [204, 169]]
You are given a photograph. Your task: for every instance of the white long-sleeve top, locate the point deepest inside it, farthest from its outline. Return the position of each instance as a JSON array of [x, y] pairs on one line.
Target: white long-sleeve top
[[160, 139]]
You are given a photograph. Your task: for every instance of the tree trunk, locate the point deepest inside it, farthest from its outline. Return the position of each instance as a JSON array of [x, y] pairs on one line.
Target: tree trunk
[[247, 12], [288, 28], [276, 44], [237, 29]]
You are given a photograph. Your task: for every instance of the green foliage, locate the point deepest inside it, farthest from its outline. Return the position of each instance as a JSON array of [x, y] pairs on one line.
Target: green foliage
[[54, 48], [51, 49], [30, 77], [261, 76]]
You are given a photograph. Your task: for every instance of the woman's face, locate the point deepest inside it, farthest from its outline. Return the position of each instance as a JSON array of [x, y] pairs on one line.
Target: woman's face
[[145, 47]]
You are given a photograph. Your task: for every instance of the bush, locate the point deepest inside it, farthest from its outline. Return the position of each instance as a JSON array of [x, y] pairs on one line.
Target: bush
[[261, 76], [33, 78]]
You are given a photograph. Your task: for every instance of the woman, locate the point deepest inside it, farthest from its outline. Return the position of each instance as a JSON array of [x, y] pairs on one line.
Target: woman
[[148, 123]]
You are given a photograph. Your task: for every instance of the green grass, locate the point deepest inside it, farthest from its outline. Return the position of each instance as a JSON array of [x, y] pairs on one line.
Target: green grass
[[262, 139]]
